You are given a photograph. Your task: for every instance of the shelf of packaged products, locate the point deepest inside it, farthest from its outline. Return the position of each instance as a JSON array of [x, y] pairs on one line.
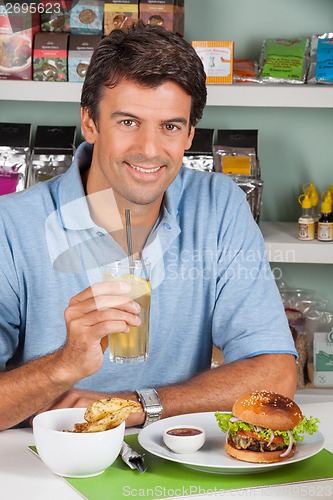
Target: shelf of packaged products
[[282, 245], [256, 95]]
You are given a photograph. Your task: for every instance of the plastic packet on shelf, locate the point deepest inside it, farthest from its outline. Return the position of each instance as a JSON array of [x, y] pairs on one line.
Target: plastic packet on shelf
[[253, 190], [296, 321], [284, 60], [203, 163], [44, 167], [200, 154], [321, 59], [14, 150], [306, 314], [317, 319], [294, 298], [13, 169], [245, 70], [236, 161]]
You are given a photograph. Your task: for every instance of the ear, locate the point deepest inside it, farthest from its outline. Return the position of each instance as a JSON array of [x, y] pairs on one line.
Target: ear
[[88, 125], [190, 138]]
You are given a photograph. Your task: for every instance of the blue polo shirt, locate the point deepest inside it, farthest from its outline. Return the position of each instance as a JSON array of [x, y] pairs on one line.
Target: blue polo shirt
[[211, 282]]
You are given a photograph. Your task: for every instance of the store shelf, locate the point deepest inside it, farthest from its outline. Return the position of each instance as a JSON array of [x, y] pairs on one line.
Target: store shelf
[[256, 95], [314, 395], [294, 96], [282, 245], [16, 90]]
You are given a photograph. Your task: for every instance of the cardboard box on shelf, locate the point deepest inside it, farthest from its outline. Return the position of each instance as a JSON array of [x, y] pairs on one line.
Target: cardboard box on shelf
[[217, 58], [17, 29], [180, 17], [119, 14], [81, 48], [56, 16], [323, 359], [160, 13], [50, 57], [86, 17]]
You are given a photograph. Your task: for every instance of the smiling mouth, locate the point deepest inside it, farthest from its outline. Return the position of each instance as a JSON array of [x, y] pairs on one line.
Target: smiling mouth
[[144, 170]]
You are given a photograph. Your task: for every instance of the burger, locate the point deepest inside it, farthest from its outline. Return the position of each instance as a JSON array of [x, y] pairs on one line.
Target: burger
[[264, 427]]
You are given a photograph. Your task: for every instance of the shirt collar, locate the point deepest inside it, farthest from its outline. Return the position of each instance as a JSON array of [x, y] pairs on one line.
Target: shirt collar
[[71, 198]]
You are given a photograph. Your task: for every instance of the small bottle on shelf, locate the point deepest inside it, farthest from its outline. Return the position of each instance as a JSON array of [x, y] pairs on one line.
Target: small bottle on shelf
[[330, 191], [310, 189], [325, 223], [306, 221], [328, 194], [314, 198]]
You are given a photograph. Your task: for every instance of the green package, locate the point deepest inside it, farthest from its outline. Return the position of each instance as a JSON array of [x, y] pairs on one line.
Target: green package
[[284, 61]]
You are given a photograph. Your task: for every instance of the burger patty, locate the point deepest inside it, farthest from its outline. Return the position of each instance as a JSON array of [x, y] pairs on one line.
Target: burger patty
[[252, 444]]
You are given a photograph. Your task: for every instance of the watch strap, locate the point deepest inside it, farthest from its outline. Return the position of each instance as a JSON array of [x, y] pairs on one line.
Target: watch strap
[[151, 404]]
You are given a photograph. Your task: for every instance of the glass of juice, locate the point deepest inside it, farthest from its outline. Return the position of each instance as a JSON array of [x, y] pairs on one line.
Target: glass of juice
[[131, 347]]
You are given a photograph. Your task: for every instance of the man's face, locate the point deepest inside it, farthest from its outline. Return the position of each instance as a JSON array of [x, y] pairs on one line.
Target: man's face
[[140, 141]]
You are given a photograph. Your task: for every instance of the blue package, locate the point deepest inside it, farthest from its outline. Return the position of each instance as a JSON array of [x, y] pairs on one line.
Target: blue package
[[86, 17], [324, 66]]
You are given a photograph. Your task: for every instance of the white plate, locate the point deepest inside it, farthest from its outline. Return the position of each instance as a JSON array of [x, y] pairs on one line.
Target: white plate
[[212, 456]]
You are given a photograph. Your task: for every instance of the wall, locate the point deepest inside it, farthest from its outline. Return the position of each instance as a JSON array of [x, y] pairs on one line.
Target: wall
[[294, 144]]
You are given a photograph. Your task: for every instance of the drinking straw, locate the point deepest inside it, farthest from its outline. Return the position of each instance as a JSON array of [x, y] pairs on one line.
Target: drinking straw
[[129, 240], [130, 245]]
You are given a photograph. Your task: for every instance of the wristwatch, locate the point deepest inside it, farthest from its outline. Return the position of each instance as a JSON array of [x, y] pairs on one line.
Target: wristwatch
[[152, 405]]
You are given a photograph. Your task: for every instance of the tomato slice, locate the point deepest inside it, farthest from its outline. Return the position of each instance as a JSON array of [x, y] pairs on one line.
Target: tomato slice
[[277, 439], [250, 434]]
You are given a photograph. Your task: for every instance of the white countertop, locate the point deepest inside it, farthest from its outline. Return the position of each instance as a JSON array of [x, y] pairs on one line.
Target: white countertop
[[23, 476]]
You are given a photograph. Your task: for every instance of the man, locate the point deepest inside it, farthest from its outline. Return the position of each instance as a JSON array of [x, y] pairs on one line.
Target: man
[[143, 95]]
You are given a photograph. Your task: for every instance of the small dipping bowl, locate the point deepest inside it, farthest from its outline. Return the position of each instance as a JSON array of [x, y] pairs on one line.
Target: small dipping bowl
[[184, 438]]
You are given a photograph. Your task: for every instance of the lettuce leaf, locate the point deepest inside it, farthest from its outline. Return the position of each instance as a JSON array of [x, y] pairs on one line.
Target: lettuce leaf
[[306, 426]]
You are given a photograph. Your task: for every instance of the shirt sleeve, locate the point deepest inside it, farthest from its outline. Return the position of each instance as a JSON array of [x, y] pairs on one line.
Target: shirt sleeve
[[249, 317], [9, 304]]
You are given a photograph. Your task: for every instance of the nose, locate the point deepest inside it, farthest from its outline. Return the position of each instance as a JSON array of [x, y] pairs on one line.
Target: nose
[[149, 142]]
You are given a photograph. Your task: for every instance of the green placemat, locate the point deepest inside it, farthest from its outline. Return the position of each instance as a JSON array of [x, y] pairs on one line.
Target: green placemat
[[164, 478]]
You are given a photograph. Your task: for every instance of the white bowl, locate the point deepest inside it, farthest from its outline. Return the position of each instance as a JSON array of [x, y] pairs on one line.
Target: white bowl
[[75, 454], [185, 441]]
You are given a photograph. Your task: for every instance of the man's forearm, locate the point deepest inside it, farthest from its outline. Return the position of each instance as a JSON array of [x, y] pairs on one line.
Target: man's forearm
[[33, 386], [27, 389], [217, 389]]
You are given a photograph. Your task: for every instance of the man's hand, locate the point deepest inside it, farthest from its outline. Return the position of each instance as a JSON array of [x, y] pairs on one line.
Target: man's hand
[[91, 315]]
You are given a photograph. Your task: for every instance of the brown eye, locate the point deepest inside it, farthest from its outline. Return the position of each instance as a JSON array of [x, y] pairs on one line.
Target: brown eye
[[170, 127], [128, 123]]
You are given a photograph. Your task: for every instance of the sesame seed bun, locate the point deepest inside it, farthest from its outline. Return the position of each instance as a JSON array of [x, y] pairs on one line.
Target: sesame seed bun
[[268, 409]]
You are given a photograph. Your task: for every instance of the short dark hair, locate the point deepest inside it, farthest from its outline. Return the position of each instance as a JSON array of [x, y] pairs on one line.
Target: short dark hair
[[149, 55]]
